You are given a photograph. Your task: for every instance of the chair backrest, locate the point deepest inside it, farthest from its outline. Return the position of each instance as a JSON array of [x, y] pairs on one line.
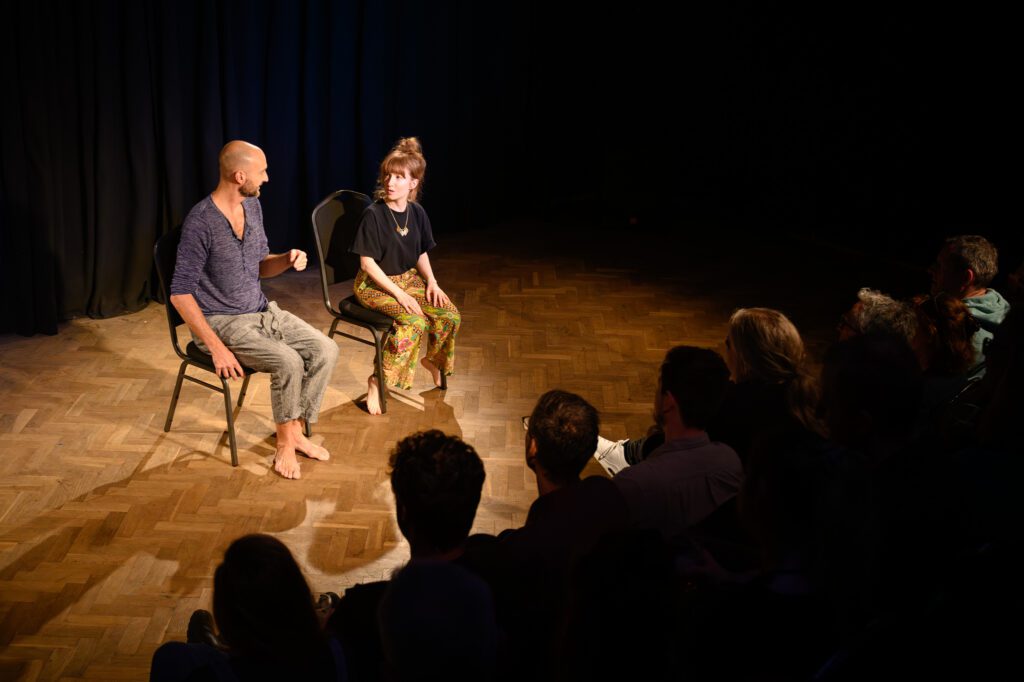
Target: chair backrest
[[335, 222], [165, 256]]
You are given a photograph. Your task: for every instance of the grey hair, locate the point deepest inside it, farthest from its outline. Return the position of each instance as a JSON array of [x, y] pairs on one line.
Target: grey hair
[[882, 314]]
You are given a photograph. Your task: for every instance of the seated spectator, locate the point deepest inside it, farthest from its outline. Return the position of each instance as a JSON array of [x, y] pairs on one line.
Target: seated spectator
[[772, 389], [437, 623], [268, 626], [688, 477], [437, 480], [566, 520], [964, 269]]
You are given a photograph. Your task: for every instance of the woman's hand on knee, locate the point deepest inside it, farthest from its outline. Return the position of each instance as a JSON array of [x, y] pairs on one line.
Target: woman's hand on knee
[[435, 294], [409, 303]]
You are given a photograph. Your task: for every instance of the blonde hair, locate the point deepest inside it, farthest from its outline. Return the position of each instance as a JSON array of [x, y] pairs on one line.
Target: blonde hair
[[768, 349], [406, 155]]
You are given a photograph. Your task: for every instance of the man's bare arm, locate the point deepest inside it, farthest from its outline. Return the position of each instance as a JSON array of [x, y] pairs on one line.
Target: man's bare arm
[[276, 263], [223, 359]]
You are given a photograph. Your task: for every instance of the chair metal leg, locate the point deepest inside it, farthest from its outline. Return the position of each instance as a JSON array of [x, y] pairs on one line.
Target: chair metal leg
[[231, 421], [444, 381], [245, 386], [306, 428], [334, 328], [382, 388], [174, 397]]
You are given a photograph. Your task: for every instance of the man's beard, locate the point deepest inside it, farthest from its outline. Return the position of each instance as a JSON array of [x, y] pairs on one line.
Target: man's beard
[[249, 190]]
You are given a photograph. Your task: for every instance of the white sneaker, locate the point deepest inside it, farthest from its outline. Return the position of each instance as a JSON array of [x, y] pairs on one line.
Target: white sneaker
[[611, 455]]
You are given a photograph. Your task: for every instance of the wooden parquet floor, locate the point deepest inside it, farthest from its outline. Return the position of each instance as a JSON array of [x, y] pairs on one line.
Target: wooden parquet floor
[[110, 529]]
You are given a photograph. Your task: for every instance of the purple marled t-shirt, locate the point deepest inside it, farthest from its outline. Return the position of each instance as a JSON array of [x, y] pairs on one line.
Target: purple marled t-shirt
[[219, 270]]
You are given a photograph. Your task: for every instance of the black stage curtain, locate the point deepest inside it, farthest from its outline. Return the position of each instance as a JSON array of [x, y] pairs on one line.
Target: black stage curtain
[[731, 113], [114, 112]]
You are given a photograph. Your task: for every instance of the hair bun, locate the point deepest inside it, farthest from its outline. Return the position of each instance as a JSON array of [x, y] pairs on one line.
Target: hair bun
[[409, 145]]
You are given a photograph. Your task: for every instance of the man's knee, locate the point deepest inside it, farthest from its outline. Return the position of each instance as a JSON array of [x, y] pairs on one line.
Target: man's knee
[[328, 350], [289, 363]]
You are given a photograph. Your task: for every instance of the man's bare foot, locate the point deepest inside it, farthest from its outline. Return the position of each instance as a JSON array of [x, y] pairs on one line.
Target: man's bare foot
[[285, 462], [311, 449], [435, 373], [372, 395]]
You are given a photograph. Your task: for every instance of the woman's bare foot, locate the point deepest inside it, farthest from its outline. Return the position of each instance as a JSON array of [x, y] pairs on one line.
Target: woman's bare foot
[[311, 449], [435, 373], [372, 395], [285, 461]]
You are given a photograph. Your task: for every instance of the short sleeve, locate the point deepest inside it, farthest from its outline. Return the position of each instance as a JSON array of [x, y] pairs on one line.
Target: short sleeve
[[367, 241], [426, 232]]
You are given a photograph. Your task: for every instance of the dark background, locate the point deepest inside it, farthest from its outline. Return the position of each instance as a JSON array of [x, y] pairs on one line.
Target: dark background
[[877, 128]]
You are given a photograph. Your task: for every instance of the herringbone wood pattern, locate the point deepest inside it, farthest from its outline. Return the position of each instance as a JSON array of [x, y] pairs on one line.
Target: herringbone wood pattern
[[110, 529]]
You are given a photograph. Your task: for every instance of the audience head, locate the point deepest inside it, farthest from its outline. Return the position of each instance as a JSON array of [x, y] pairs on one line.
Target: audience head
[[763, 346], [437, 622], [262, 603], [945, 327], [405, 157], [691, 387], [965, 266], [871, 390], [561, 436], [878, 313], [437, 480]]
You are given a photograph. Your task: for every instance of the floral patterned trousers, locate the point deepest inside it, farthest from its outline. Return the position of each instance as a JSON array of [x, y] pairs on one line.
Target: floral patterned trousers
[[402, 350]]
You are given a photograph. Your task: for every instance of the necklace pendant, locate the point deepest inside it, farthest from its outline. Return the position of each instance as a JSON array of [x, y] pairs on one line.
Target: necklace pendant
[[402, 230]]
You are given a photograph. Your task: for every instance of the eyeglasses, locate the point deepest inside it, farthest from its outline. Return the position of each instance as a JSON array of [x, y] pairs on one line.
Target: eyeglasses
[[526, 423]]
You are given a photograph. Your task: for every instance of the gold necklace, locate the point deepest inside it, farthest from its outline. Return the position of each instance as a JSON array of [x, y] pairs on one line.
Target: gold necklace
[[400, 229]]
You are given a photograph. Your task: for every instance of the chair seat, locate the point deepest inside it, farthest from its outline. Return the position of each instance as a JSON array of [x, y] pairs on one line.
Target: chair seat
[[205, 360], [352, 308]]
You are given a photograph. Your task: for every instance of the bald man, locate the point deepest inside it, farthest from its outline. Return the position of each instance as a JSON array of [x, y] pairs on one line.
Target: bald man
[[216, 288]]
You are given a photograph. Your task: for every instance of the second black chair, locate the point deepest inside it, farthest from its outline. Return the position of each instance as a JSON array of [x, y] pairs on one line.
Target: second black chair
[[335, 222]]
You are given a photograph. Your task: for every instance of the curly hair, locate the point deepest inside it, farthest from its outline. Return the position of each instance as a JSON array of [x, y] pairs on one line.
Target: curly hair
[[945, 327], [437, 480], [406, 155], [879, 313]]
